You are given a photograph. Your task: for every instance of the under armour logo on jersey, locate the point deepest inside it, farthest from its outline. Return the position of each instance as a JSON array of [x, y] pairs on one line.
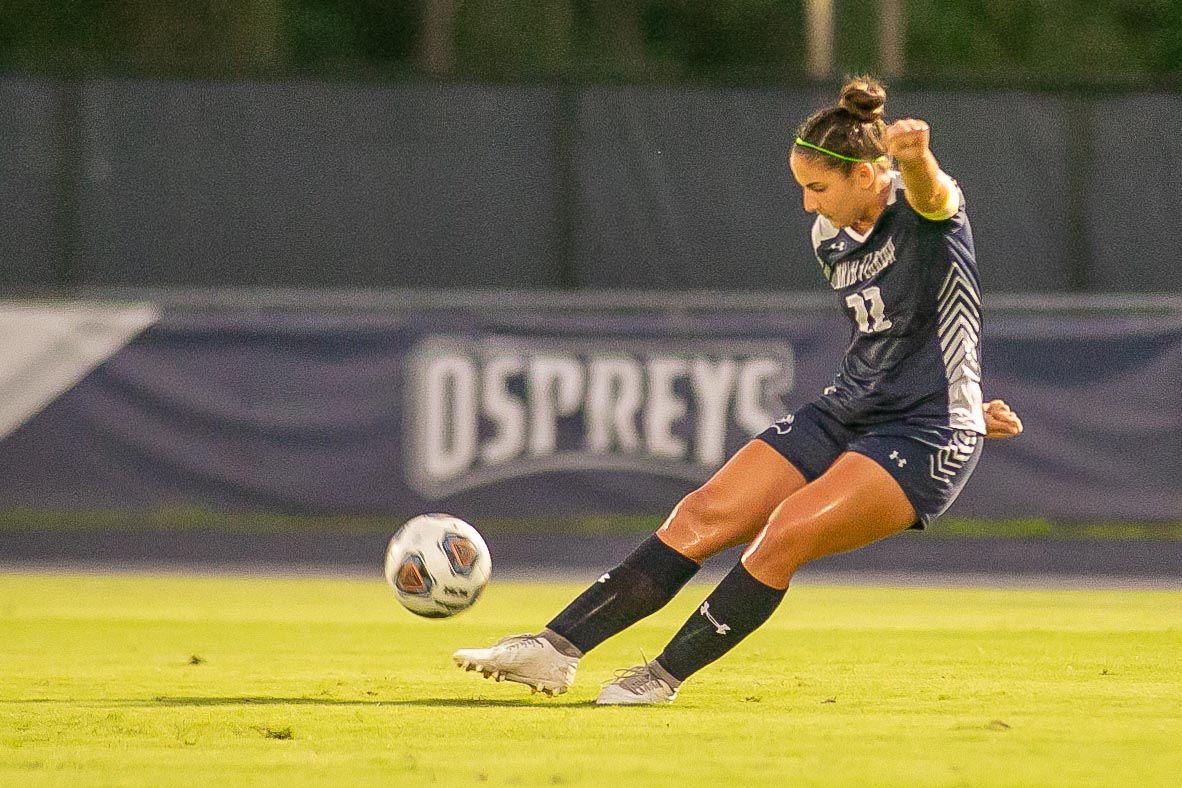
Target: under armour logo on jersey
[[719, 627], [839, 246], [900, 461], [784, 425]]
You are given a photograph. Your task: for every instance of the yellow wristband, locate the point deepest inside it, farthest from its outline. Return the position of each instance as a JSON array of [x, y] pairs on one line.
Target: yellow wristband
[[951, 203]]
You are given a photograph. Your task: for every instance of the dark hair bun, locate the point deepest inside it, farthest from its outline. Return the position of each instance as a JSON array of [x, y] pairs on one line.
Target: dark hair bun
[[864, 98]]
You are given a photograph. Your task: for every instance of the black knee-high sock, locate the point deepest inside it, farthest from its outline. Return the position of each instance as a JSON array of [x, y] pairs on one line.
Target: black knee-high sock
[[733, 611], [640, 586]]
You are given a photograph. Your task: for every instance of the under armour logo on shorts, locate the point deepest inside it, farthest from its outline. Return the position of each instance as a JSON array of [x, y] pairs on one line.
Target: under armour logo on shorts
[[784, 425]]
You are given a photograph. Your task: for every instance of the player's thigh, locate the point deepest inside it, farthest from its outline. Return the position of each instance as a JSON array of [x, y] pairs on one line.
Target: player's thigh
[[852, 504], [733, 505]]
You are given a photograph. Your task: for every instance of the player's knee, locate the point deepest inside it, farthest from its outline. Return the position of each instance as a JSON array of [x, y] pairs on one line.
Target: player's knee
[[702, 524], [704, 510], [788, 543]]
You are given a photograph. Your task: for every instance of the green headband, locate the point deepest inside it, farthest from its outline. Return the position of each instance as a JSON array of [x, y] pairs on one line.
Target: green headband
[[804, 144]]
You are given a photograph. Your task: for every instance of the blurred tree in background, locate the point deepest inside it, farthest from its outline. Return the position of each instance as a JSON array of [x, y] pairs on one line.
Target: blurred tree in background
[[749, 42], [143, 36], [1078, 41]]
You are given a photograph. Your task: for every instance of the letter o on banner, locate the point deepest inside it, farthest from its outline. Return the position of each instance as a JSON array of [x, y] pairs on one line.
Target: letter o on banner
[[449, 422]]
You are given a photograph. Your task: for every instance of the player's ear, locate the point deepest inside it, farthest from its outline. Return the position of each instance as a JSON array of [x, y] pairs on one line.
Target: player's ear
[[865, 175]]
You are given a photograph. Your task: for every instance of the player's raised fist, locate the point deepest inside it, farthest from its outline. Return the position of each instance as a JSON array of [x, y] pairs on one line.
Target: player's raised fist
[[907, 139]]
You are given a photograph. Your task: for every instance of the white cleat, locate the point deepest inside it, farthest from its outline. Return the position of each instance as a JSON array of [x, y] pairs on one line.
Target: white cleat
[[638, 686], [525, 659]]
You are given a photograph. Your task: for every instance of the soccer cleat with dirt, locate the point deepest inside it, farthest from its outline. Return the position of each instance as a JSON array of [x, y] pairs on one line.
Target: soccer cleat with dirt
[[525, 659], [638, 686]]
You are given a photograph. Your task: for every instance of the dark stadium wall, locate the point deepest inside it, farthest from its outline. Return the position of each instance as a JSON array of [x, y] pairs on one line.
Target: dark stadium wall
[[29, 186], [314, 184]]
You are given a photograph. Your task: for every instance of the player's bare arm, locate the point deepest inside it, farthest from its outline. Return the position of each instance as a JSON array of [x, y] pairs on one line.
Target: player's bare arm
[[928, 188]]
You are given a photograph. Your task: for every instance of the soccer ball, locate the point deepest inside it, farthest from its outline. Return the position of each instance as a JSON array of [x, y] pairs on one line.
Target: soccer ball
[[437, 565]]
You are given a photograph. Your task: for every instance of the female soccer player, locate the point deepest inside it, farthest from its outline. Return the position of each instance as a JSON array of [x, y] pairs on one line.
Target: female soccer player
[[888, 446]]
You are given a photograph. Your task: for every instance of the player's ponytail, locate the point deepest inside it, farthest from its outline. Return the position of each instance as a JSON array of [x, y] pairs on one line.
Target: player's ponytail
[[850, 132]]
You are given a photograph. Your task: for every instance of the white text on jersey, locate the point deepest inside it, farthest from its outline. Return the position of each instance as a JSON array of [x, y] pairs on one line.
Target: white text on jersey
[[851, 272]]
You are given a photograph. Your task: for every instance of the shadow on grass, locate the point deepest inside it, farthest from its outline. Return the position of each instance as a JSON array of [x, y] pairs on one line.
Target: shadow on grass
[[165, 701]]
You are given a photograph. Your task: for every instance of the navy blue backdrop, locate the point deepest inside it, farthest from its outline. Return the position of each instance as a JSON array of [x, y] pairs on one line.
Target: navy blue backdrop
[[543, 412]]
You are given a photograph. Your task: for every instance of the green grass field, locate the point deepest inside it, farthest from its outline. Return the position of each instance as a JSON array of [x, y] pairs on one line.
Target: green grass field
[[145, 680]]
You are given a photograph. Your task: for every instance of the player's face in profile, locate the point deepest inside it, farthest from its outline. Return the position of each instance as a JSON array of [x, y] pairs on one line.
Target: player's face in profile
[[831, 193]]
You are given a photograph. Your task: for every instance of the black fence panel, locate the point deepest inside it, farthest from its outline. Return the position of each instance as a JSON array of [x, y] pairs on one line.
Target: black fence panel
[[318, 184], [29, 184], [1134, 203], [312, 184], [685, 189]]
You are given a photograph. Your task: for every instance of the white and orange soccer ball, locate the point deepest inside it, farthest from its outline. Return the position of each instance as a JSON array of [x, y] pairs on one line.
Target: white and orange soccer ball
[[437, 565]]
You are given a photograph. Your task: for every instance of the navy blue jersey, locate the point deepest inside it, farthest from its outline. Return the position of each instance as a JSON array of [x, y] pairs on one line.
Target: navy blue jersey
[[912, 295]]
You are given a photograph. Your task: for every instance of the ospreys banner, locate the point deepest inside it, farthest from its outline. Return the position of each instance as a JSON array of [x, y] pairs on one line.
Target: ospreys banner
[[529, 412]]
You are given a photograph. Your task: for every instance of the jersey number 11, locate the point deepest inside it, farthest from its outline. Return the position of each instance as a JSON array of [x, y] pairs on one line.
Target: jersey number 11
[[869, 310]]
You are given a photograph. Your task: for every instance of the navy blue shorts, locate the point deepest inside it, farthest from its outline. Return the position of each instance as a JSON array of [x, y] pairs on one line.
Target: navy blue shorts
[[930, 463]]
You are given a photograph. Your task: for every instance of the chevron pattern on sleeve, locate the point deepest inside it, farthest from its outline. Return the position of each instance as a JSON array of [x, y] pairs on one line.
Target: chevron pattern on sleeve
[[959, 332], [960, 324]]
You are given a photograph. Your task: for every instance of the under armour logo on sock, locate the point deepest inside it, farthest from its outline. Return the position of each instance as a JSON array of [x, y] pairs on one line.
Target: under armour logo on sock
[[719, 627], [604, 577]]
